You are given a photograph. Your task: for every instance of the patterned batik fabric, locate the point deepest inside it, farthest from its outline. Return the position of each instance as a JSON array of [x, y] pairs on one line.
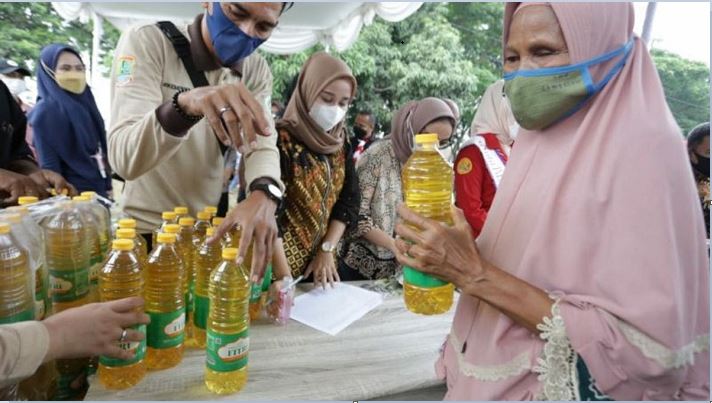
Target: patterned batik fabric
[[313, 183]]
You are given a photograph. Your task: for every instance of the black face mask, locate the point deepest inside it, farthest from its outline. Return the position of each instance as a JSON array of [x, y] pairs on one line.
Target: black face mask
[[703, 165], [359, 133]]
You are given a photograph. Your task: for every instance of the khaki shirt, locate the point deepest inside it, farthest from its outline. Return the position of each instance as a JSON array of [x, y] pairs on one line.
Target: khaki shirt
[[161, 170], [23, 347]]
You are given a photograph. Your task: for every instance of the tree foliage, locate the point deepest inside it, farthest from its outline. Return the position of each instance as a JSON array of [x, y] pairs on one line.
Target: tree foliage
[[687, 88], [25, 28]]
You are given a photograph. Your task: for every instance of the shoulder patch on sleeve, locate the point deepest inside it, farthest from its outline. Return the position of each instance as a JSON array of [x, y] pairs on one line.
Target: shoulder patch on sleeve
[[125, 70], [464, 166]]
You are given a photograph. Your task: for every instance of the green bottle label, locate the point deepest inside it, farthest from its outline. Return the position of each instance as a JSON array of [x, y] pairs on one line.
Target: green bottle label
[[94, 271], [20, 317], [166, 330], [418, 279], [255, 293], [137, 347], [227, 352], [202, 306], [69, 285]]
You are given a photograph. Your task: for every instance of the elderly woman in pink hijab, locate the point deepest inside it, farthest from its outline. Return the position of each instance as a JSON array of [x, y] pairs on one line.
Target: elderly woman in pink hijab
[[590, 277]]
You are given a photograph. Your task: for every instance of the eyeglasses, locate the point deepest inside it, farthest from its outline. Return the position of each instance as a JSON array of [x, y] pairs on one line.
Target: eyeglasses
[[446, 143]]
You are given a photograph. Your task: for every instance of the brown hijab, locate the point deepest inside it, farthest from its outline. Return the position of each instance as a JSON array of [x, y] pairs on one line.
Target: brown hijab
[[412, 118], [320, 70]]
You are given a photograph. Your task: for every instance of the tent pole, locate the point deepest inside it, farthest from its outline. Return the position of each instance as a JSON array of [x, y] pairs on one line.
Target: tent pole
[[97, 34], [648, 24]]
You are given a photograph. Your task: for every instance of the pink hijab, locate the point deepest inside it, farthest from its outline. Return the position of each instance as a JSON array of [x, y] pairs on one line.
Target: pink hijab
[[599, 210]]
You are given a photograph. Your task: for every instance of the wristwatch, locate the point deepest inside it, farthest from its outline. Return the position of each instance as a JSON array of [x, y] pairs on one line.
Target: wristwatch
[[328, 247], [270, 189]]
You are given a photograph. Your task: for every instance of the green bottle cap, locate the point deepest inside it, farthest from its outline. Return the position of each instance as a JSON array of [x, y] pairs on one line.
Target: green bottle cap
[[418, 279]]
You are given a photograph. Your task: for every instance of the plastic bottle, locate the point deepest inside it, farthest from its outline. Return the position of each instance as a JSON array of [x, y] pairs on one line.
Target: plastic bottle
[[227, 238], [128, 233], [187, 250], [131, 224], [27, 200], [228, 323], [259, 294], [201, 225], [34, 244], [207, 258], [168, 217], [212, 210], [97, 254], [104, 219], [16, 288], [121, 277], [181, 212], [68, 257], [165, 304], [427, 187]]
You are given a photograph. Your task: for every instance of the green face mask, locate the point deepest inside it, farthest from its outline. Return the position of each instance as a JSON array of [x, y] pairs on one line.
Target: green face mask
[[542, 97]]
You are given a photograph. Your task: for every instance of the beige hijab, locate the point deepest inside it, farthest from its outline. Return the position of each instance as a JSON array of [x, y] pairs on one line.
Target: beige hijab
[[412, 118], [494, 115], [320, 70]]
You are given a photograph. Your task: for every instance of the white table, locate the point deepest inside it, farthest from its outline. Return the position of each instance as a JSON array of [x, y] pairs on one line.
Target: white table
[[389, 351]]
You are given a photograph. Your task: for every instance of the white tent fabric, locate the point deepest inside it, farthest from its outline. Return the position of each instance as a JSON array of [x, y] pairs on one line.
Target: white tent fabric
[[335, 25]]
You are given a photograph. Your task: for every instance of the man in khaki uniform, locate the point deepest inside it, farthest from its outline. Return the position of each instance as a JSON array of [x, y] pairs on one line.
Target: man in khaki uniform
[[159, 141]]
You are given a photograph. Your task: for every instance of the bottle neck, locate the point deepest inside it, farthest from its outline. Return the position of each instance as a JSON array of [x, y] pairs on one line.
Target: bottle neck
[[426, 146]]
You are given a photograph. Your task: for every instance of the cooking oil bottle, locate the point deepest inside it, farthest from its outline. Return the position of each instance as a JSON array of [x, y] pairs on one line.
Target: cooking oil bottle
[[27, 228], [168, 217], [227, 237], [104, 220], [165, 304], [27, 200], [130, 223], [427, 187], [228, 320], [121, 277], [212, 210], [181, 212], [16, 288], [259, 293], [129, 233], [68, 256], [187, 250], [97, 256], [201, 225], [207, 258]]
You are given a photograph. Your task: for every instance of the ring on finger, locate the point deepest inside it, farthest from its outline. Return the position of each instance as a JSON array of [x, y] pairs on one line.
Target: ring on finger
[[224, 109], [124, 335]]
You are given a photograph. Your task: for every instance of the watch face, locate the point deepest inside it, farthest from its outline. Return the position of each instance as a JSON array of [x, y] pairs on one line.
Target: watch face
[[327, 247], [274, 190]]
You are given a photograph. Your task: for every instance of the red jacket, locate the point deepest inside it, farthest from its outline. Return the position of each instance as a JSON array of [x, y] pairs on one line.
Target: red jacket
[[474, 187]]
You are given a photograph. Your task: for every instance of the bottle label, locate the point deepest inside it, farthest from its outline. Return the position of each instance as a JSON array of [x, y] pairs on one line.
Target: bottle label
[[136, 347], [166, 330], [255, 292], [20, 317], [69, 285], [227, 352], [40, 294], [202, 306], [418, 279]]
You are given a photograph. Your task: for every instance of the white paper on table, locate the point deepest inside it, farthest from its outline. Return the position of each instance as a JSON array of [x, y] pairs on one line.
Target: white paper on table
[[332, 310]]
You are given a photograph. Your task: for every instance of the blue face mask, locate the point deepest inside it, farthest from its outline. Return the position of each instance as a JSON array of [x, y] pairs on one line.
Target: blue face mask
[[541, 97], [230, 43]]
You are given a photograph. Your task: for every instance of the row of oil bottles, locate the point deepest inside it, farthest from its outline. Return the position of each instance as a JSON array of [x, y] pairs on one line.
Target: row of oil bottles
[[195, 293]]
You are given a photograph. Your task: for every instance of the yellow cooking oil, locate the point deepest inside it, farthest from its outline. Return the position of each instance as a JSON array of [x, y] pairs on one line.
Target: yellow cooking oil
[[427, 187], [167, 217], [97, 254], [130, 223], [121, 277], [187, 249], [207, 257], [16, 288], [165, 304], [228, 324]]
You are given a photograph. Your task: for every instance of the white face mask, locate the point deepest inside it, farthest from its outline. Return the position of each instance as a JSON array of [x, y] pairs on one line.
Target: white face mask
[[15, 85], [327, 116]]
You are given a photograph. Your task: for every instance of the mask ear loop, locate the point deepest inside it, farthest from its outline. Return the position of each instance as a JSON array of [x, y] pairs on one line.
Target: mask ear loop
[[48, 70]]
